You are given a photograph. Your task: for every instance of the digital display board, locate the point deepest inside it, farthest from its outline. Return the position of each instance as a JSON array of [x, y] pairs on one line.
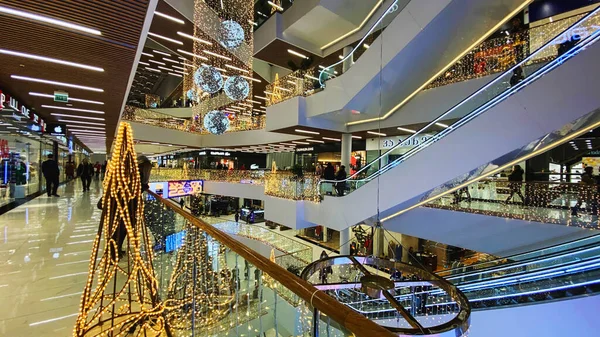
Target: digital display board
[[182, 188]]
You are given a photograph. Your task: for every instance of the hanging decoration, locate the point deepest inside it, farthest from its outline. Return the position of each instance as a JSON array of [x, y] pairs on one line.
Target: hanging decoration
[[216, 122], [231, 34], [121, 293], [237, 88], [192, 95], [208, 79]]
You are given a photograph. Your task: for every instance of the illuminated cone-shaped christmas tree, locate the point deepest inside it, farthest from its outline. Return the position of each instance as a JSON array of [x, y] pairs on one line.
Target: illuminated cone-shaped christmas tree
[[277, 94], [201, 289], [121, 294]]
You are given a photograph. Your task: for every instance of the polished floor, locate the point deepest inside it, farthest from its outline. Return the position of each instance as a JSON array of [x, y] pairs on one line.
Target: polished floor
[[44, 256]]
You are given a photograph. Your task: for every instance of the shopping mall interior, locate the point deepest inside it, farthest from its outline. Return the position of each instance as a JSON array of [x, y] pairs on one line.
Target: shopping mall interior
[[299, 168]]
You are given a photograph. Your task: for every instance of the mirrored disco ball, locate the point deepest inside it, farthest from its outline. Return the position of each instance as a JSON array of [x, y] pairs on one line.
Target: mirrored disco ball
[[237, 88], [208, 79], [216, 122], [231, 34], [192, 95]]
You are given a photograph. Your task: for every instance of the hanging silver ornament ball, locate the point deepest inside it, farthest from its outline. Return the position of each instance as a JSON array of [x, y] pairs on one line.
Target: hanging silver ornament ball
[[216, 122], [231, 34], [237, 88], [192, 95], [208, 79]]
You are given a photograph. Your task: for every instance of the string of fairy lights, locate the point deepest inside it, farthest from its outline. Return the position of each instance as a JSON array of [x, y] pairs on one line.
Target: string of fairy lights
[[105, 309]]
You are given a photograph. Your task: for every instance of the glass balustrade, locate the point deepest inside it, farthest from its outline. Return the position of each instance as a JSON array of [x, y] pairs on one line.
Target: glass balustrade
[[210, 284], [555, 50]]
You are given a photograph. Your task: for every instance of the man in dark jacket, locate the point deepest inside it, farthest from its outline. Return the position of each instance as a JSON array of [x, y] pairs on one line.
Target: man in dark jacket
[[340, 186], [51, 173], [85, 171]]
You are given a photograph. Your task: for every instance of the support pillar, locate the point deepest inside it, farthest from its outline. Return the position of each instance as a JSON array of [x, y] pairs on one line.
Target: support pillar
[[325, 234], [346, 150], [378, 241], [344, 241], [348, 62]]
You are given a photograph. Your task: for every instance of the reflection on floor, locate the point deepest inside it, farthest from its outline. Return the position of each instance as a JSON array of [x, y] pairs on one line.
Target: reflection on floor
[[44, 256], [520, 211]]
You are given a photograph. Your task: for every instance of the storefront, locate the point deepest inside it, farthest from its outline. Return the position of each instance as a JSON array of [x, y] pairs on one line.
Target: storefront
[[310, 156], [23, 148], [213, 159]]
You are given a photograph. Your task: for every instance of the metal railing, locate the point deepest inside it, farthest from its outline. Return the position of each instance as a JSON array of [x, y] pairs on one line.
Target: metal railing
[[312, 300]]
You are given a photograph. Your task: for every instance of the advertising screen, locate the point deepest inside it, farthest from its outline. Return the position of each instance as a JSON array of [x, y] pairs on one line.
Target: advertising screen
[[182, 188]]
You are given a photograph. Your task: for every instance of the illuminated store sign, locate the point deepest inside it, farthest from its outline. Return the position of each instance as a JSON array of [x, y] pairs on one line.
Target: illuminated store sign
[[21, 111], [182, 188], [390, 142], [214, 153], [174, 241], [305, 149]]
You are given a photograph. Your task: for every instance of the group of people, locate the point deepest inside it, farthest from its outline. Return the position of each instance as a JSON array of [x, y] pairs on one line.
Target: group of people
[[328, 173], [589, 191]]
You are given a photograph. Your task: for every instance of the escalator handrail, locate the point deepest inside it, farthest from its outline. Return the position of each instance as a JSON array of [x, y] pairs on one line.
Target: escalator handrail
[[469, 116], [325, 70]]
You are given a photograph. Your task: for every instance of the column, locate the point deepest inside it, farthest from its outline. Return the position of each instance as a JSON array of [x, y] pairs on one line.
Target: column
[[344, 241], [346, 150], [348, 62], [325, 229], [378, 241]]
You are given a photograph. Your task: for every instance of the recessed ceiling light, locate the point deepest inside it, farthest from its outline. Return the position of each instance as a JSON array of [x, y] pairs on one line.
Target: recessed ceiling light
[[50, 59], [169, 17], [173, 74], [302, 143], [86, 127], [169, 60], [194, 38], [406, 130], [77, 116], [87, 131], [78, 122], [291, 82], [70, 98], [261, 97], [147, 54], [315, 141], [144, 63], [164, 68], [165, 38], [217, 55], [192, 54], [441, 125], [293, 52], [251, 78], [160, 52], [376, 133], [276, 6], [69, 85], [334, 139], [236, 68], [158, 62], [341, 57], [72, 109], [152, 69], [306, 131], [49, 20], [366, 46]]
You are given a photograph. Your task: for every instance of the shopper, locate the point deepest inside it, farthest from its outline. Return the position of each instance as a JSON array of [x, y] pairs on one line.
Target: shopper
[[587, 187], [98, 168], [329, 172], [104, 166], [237, 216], [145, 168], [85, 171], [340, 177], [51, 173], [516, 77], [319, 170], [515, 180], [70, 170]]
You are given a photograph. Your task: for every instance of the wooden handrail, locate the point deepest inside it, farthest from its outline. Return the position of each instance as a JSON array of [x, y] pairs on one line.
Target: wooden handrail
[[354, 322]]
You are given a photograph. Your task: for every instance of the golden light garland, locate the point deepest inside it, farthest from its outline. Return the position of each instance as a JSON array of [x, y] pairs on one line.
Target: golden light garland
[[197, 293], [121, 294]]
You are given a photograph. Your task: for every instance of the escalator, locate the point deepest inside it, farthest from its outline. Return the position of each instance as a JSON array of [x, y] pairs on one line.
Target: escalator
[[556, 101]]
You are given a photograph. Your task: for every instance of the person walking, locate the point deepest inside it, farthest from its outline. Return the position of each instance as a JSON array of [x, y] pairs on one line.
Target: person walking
[[51, 173], [85, 171], [586, 191], [98, 168], [70, 170], [340, 177], [145, 168], [237, 216], [515, 180], [103, 169]]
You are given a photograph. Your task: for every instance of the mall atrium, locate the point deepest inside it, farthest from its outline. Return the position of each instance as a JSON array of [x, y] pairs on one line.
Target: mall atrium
[[367, 168]]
